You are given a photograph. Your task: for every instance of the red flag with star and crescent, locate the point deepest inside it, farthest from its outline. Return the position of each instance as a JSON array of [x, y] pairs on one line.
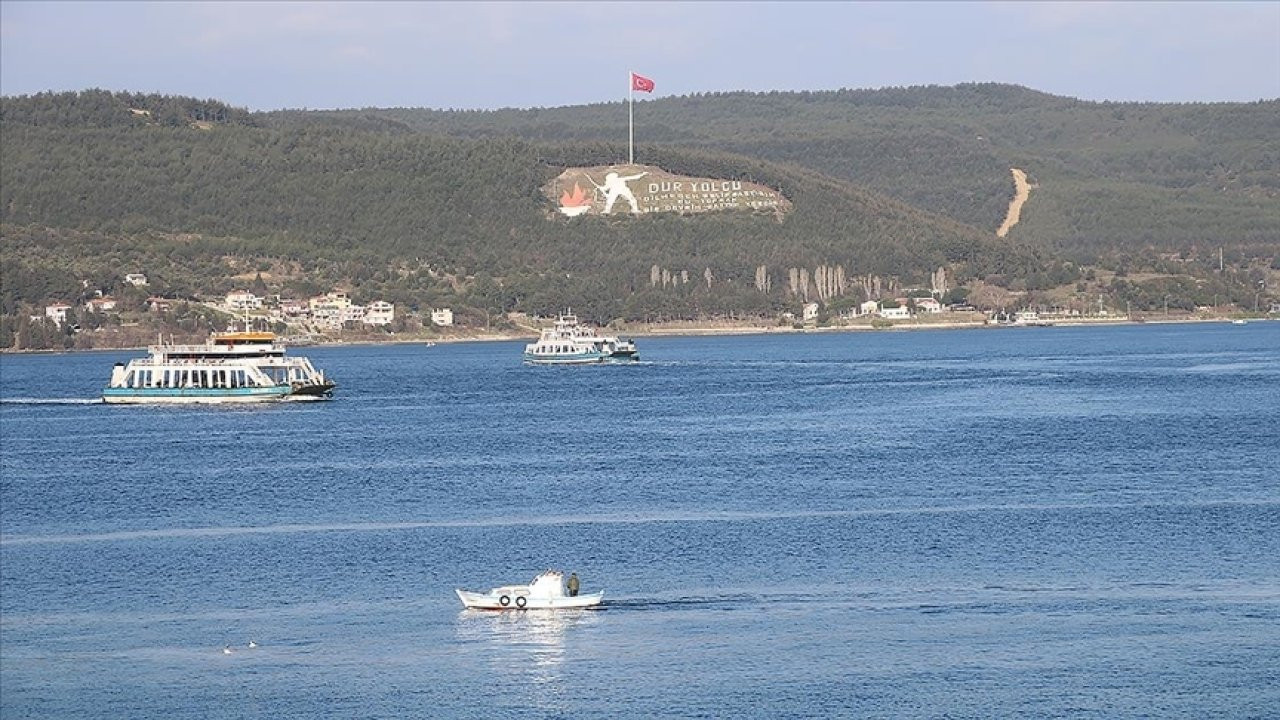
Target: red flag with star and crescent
[[641, 83]]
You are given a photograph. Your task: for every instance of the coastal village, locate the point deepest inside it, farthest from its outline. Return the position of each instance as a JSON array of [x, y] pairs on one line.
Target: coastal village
[[328, 316], [335, 317]]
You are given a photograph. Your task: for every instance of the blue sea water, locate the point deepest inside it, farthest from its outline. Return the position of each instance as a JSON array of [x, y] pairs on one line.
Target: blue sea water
[[1028, 523]]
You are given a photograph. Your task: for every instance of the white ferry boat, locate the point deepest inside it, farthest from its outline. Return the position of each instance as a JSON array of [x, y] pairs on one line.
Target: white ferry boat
[[569, 343], [1030, 318], [231, 367]]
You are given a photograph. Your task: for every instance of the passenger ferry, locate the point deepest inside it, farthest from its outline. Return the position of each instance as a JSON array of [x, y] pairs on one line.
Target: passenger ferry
[[569, 343], [1030, 318], [231, 367]]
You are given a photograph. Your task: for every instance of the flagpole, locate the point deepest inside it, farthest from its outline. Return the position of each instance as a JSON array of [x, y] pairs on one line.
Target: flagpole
[[631, 120]]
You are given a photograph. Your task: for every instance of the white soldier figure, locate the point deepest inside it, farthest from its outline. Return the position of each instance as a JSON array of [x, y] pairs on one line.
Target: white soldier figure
[[614, 187]]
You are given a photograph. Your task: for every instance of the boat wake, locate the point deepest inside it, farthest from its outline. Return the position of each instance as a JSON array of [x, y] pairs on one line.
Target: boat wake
[[629, 519], [731, 600], [676, 603], [50, 401]]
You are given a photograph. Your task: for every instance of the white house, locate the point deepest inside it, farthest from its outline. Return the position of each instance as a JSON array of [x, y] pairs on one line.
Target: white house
[[869, 307], [811, 312], [102, 304], [928, 305], [294, 308], [351, 313], [159, 304], [331, 309], [136, 279], [897, 312], [442, 317], [57, 312], [379, 312], [330, 301], [243, 300]]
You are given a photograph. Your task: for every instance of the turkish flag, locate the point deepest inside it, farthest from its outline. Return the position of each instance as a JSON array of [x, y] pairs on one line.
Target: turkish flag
[[641, 83]]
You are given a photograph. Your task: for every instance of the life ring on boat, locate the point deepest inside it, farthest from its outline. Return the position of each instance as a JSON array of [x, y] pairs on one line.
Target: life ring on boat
[[505, 600], [521, 601]]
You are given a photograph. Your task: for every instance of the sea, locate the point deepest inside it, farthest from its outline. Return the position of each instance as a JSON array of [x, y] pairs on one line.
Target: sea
[[1065, 522]]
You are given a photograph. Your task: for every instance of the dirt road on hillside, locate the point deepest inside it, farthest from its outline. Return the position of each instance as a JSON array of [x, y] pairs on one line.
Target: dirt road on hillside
[[1021, 191]]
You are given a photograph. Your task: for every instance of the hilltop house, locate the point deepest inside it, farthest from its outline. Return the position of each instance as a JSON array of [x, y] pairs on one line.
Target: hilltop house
[[333, 309], [156, 303], [136, 279], [243, 300], [330, 301], [101, 304], [57, 312], [294, 308]]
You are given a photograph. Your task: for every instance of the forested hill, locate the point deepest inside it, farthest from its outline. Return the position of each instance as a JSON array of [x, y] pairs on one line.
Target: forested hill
[[1109, 178], [422, 218], [102, 108], [429, 208]]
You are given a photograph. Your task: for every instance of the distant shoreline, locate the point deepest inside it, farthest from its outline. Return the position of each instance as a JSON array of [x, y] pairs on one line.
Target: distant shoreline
[[761, 330], [657, 331]]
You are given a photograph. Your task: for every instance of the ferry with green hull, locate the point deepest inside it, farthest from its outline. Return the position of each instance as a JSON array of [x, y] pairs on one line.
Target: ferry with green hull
[[231, 367]]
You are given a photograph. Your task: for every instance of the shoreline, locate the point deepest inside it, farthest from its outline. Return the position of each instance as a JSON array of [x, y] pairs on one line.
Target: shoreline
[[653, 331], [912, 327]]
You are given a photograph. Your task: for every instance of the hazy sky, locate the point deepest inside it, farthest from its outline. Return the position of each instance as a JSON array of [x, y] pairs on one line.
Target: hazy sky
[[266, 55]]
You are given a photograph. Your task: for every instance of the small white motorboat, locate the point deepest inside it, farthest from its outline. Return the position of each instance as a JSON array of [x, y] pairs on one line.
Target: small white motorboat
[[546, 592]]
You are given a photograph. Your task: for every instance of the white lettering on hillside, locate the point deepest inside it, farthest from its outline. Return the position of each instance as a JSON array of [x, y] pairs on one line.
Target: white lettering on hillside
[[659, 192], [703, 195]]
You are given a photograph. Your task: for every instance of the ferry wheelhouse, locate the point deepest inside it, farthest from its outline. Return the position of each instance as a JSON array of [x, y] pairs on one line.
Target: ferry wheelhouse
[[570, 343], [231, 367]]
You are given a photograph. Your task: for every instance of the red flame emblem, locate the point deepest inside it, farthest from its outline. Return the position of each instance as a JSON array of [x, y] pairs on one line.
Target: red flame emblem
[[577, 199]]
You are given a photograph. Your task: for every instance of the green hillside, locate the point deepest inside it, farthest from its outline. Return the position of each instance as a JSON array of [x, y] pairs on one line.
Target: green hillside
[[1111, 176], [431, 208], [420, 218]]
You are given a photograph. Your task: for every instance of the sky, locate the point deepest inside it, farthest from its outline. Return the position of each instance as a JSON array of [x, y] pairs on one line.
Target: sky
[[478, 55]]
